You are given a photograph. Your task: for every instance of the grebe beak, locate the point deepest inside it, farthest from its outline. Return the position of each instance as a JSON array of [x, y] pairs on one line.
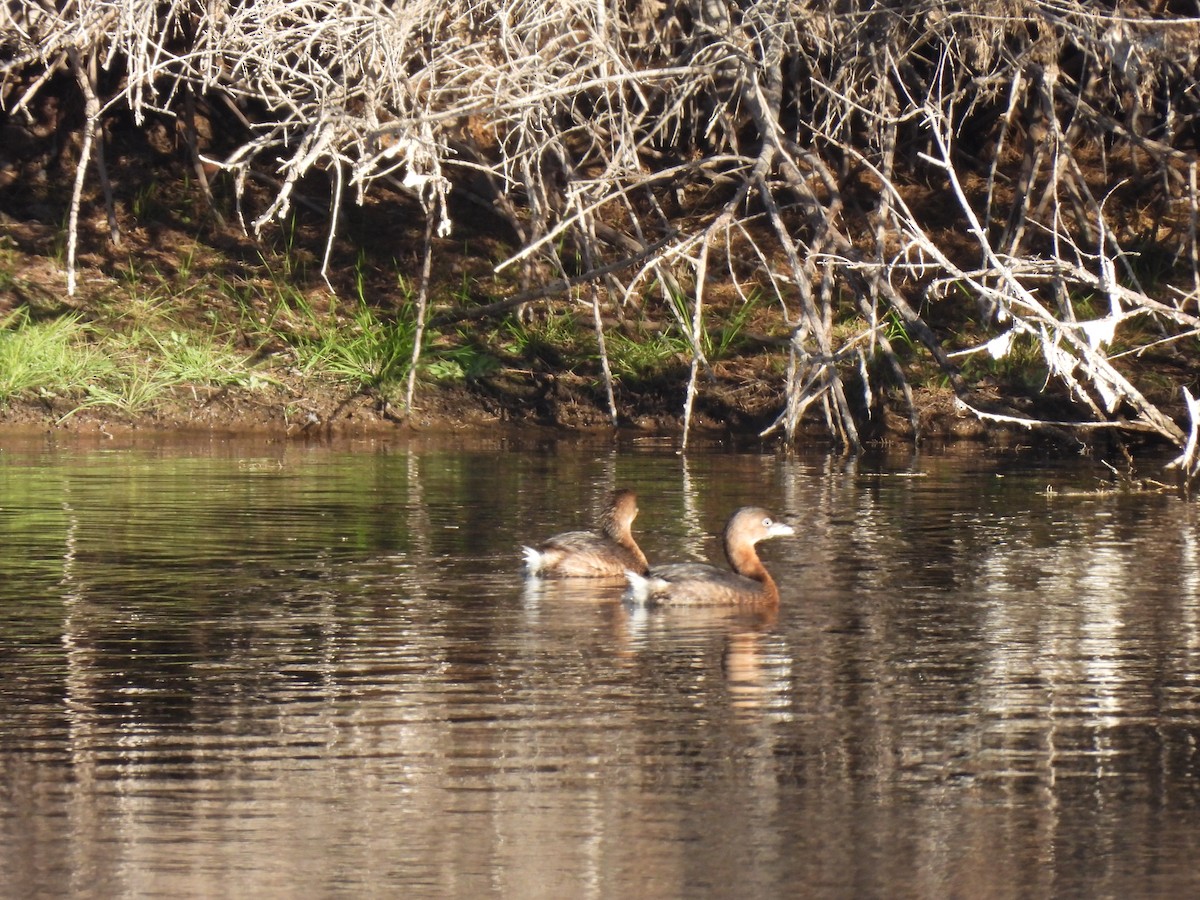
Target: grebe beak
[[780, 529]]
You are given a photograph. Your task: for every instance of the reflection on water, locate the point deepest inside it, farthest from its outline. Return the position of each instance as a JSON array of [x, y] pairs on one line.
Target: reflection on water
[[275, 669]]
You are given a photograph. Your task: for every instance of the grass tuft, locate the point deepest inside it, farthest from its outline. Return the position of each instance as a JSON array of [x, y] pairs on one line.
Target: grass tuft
[[51, 357], [366, 351]]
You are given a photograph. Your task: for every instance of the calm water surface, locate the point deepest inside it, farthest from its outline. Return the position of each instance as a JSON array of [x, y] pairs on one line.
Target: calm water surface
[[273, 669]]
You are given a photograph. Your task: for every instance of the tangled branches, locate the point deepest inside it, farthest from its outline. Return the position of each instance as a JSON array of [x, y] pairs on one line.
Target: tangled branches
[[876, 169]]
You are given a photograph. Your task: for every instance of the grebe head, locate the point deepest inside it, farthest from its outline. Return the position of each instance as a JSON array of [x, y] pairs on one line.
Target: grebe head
[[746, 527]]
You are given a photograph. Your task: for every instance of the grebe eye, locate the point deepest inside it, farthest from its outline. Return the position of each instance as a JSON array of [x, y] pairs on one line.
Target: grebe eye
[[767, 522]]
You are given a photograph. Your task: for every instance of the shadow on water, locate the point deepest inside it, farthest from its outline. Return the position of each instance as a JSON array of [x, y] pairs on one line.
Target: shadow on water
[[250, 667]]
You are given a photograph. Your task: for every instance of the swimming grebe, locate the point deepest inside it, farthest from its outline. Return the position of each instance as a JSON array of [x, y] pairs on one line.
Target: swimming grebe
[[608, 551], [700, 583]]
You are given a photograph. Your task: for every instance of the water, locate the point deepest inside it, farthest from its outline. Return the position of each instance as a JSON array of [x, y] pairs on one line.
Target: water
[[259, 668]]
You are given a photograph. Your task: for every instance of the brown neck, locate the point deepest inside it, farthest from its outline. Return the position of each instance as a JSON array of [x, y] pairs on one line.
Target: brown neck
[[631, 545], [770, 592], [610, 527], [744, 560], [622, 534]]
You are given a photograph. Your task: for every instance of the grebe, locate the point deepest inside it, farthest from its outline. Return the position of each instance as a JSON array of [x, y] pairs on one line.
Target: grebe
[[608, 551], [702, 584]]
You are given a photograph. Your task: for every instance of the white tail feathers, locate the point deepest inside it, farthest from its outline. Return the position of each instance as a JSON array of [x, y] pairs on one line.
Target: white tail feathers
[[640, 586], [534, 560]]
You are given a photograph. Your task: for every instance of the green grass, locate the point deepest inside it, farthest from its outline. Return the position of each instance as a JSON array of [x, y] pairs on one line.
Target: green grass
[[371, 351], [52, 357], [199, 358], [131, 390], [363, 349], [648, 352], [557, 334], [465, 362], [141, 367], [92, 365]]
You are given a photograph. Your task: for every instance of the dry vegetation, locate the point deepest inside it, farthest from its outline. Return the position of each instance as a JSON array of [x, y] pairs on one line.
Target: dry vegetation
[[951, 183]]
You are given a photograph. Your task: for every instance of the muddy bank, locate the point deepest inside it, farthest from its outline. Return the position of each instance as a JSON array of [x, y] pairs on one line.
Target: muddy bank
[[306, 410]]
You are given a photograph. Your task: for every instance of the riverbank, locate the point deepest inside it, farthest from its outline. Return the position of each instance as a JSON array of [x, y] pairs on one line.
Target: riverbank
[[203, 328], [172, 332]]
